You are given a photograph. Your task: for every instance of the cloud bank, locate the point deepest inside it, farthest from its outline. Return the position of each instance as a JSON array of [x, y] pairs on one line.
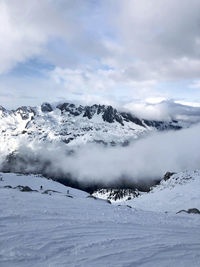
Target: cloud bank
[[144, 161], [166, 110]]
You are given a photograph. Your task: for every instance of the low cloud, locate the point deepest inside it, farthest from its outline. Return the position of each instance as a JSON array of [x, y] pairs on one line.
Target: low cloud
[[166, 110], [144, 161]]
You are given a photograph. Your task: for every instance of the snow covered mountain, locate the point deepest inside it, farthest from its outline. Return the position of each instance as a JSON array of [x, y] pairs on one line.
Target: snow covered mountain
[[44, 223], [27, 133], [73, 125], [180, 191], [175, 192]]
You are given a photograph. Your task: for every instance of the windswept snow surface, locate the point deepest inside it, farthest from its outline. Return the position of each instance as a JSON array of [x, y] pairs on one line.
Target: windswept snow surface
[[66, 228]]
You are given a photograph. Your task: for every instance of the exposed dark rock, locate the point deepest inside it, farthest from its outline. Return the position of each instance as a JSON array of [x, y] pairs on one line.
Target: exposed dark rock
[[71, 108], [126, 143], [125, 206], [100, 109], [50, 191], [25, 188], [90, 196], [193, 211], [64, 106], [162, 125], [129, 117], [112, 143], [69, 196], [168, 175], [101, 142], [2, 109], [96, 198], [25, 112], [7, 186], [110, 115], [117, 194], [87, 113], [46, 107], [68, 140]]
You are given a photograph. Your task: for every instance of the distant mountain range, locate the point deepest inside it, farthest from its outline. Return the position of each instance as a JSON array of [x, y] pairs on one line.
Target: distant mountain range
[[75, 125]]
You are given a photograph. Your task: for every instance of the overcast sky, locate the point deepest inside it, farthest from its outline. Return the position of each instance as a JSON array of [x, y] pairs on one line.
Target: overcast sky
[[99, 51]]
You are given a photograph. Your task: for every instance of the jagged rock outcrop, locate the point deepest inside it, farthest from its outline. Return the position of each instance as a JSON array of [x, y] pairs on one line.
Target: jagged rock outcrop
[[163, 125], [116, 194], [46, 107], [168, 175], [70, 108], [2, 109], [110, 115], [75, 124], [129, 117], [88, 113]]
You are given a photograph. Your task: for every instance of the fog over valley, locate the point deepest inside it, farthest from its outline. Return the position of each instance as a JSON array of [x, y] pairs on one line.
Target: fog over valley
[[140, 163]]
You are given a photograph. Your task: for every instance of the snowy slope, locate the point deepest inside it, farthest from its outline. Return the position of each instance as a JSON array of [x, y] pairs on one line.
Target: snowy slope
[[55, 230], [180, 191]]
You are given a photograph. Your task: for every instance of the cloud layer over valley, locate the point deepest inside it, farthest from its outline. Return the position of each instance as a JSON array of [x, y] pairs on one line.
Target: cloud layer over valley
[[143, 161]]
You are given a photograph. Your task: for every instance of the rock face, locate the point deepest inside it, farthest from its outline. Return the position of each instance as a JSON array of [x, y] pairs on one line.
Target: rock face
[[2, 109], [162, 126], [25, 112], [24, 188], [110, 115], [74, 125], [70, 108], [116, 194], [168, 175], [46, 107]]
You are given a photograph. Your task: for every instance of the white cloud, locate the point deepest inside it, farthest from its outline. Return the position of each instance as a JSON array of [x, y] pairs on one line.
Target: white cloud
[[27, 28], [186, 103], [166, 110], [127, 47], [150, 111], [152, 41], [160, 39], [154, 100], [85, 79], [171, 151], [195, 84], [103, 82], [20, 37]]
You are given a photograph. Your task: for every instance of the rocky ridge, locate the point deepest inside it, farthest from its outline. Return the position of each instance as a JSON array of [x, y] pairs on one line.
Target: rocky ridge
[[75, 125]]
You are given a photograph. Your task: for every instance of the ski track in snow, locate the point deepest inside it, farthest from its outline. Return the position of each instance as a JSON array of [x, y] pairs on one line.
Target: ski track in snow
[[55, 230]]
